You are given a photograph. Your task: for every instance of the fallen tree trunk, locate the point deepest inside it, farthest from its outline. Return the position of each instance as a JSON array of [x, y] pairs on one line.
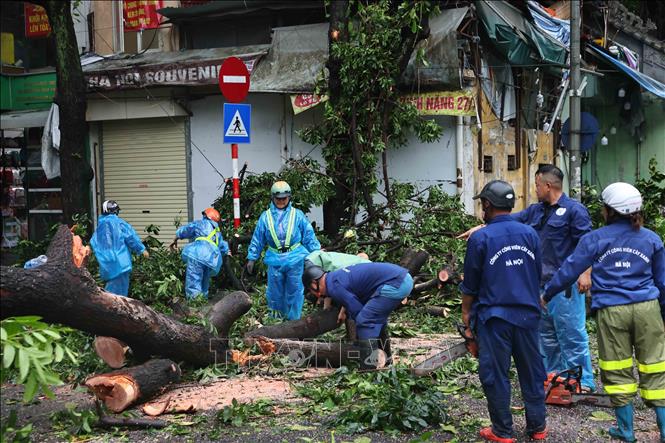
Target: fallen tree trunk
[[121, 389], [61, 292], [322, 354], [310, 326], [226, 311], [439, 311], [413, 260]]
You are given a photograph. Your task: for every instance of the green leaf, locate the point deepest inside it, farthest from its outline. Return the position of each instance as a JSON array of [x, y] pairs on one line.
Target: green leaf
[[31, 387], [601, 416], [3, 334], [39, 336], [59, 353], [23, 365], [297, 427], [8, 355], [449, 428]]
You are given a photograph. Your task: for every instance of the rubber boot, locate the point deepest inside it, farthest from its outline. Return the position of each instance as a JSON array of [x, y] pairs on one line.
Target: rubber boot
[[384, 338], [624, 428], [660, 419]]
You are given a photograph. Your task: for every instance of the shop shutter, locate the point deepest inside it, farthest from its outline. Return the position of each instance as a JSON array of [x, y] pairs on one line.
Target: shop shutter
[[145, 171]]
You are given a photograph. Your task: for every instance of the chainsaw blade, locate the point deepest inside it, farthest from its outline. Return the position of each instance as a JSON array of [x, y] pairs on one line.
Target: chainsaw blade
[[441, 359], [600, 400]]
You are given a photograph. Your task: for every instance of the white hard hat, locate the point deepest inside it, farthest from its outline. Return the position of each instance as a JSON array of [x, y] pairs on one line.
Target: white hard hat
[[622, 197]]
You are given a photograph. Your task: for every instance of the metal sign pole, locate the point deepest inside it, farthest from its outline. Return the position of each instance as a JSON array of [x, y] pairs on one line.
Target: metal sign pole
[[236, 186]]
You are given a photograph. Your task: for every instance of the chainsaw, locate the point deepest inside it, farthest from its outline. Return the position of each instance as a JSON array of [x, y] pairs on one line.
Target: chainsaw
[[565, 389], [446, 356]]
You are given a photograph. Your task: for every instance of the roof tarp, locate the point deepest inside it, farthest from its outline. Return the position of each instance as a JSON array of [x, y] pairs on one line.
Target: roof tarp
[[648, 83], [515, 37], [297, 57], [23, 119], [442, 66]]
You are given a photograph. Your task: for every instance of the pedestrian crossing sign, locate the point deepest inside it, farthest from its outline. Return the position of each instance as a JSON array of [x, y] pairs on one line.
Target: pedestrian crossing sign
[[237, 119]]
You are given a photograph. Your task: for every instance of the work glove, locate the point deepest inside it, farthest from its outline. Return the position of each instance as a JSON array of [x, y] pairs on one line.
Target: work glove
[[250, 267]]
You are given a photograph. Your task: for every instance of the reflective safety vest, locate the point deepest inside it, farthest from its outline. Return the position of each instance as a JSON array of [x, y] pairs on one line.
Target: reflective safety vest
[[289, 232], [210, 237]]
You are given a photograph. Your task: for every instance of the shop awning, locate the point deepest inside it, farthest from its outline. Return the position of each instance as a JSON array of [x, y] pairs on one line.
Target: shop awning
[[515, 37], [23, 119], [192, 67], [215, 9], [442, 68], [648, 83]]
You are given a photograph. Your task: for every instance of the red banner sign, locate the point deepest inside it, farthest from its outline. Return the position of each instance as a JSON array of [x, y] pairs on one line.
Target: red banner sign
[[141, 14], [36, 21]]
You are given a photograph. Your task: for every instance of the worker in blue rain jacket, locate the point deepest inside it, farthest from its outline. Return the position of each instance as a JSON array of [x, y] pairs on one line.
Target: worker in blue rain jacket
[[113, 242], [289, 237], [368, 293], [560, 223], [501, 304], [204, 255], [628, 279]]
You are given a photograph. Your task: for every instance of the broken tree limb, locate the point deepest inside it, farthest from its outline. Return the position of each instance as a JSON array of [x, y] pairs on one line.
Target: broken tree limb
[[413, 260], [439, 311], [112, 351], [310, 326], [226, 311], [106, 421], [121, 389], [60, 292]]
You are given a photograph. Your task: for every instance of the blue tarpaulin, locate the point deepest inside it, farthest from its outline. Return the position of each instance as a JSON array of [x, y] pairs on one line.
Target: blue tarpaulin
[[648, 83]]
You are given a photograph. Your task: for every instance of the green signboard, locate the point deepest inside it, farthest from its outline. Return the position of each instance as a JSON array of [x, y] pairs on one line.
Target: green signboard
[[23, 92]]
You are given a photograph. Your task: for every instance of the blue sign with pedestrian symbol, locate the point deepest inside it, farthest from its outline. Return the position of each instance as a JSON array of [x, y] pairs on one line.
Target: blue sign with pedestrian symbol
[[237, 120]]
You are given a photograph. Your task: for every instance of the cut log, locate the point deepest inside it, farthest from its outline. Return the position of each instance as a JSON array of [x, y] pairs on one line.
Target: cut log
[[439, 311], [310, 326], [226, 311], [322, 354], [121, 389], [61, 292], [112, 351], [413, 260]]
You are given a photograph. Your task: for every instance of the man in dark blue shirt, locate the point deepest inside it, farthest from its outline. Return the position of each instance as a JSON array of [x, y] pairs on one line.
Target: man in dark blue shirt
[[560, 223], [368, 292], [501, 302]]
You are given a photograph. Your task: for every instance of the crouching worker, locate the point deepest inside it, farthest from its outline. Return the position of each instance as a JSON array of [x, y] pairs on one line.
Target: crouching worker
[[501, 302], [627, 279], [204, 255], [112, 241], [368, 293]]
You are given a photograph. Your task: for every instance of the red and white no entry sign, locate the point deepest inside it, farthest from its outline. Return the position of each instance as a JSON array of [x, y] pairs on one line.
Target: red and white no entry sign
[[234, 79]]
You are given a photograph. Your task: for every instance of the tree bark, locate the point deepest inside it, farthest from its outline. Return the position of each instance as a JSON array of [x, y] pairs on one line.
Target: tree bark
[[75, 169], [121, 389], [60, 292], [228, 310], [309, 326], [413, 260], [322, 354]]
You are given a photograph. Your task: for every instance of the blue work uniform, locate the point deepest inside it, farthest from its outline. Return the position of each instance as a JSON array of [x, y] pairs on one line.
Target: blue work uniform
[[369, 292], [502, 272], [564, 339], [289, 237], [204, 256], [112, 242], [628, 270]]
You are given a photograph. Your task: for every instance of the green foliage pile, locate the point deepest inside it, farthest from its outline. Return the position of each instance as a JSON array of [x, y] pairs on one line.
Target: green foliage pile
[[390, 401]]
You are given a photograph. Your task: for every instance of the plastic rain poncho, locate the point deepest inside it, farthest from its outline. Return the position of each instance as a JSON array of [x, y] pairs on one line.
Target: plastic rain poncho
[[112, 242], [289, 242], [204, 256]]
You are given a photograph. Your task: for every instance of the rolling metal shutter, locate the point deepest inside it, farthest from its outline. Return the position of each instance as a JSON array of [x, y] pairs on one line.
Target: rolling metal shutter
[[145, 171]]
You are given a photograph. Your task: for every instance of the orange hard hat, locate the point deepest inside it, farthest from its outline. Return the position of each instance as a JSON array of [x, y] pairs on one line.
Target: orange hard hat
[[212, 214]]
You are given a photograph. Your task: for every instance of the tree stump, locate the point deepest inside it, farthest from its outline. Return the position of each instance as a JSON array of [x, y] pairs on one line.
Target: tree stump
[[121, 389]]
